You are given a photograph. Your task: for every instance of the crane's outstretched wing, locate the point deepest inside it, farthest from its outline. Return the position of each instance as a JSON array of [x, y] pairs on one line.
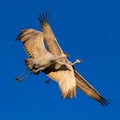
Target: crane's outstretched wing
[[84, 86], [33, 42], [34, 46], [55, 49], [50, 40]]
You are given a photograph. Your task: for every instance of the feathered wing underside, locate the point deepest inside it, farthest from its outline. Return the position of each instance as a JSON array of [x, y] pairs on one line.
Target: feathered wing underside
[[34, 46], [50, 40], [64, 77], [84, 86], [33, 42]]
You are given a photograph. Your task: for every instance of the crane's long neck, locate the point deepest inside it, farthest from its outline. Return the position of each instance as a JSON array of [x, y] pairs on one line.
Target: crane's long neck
[[77, 61]]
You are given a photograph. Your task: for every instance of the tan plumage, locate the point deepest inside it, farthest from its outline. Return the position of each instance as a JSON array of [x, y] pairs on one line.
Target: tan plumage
[[34, 46], [40, 59], [65, 79], [81, 83]]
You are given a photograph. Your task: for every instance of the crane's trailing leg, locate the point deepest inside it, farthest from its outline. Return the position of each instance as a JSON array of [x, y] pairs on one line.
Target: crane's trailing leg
[[22, 76]]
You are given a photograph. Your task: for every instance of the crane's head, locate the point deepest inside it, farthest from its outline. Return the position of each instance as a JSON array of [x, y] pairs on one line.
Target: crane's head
[[65, 54], [78, 60]]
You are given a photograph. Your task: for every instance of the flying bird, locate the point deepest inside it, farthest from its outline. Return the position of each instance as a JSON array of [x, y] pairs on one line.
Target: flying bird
[[81, 83], [46, 55], [39, 57]]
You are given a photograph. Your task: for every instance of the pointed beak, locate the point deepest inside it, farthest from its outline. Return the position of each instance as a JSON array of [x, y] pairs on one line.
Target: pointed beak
[[79, 60]]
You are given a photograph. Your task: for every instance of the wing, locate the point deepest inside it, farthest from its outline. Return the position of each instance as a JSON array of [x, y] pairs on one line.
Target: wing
[[64, 77], [50, 40], [84, 86], [33, 42]]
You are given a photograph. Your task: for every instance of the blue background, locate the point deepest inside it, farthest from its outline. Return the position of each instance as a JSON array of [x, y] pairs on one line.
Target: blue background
[[86, 29]]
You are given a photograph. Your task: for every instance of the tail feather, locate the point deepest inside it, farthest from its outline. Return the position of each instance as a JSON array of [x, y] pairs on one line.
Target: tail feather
[[30, 66], [69, 93]]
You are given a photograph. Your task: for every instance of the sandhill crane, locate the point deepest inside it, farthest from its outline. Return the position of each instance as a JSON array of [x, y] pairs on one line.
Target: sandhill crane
[[39, 57], [56, 50]]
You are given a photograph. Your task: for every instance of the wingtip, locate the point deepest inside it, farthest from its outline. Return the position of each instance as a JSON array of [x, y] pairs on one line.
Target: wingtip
[[43, 18], [20, 35], [104, 102]]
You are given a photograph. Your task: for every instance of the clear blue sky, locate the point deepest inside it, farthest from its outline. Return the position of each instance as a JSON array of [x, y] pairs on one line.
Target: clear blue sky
[[86, 29]]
